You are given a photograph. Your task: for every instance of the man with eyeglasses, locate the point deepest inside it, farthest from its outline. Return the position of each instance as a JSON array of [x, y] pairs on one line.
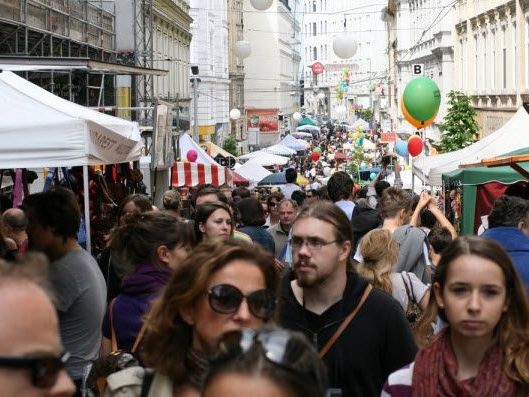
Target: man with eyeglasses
[[32, 361], [326, 296]]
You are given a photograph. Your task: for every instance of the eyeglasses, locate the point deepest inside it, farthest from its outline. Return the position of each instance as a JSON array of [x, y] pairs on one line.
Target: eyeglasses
[[226, 299], [313, 244], [280, 347], [44, 370]]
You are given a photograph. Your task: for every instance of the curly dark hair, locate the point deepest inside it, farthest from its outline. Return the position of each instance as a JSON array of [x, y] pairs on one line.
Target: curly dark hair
[[508, 211]]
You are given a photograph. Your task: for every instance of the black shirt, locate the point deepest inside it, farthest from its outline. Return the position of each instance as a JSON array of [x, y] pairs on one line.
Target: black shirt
[[377, 342]]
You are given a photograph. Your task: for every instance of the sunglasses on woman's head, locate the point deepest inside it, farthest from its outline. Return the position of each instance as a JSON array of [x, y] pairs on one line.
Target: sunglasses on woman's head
[[44, 370], [226, 299], [280, 347]]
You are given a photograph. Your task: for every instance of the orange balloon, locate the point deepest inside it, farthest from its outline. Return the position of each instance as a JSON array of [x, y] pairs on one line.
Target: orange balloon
[[411, 120]]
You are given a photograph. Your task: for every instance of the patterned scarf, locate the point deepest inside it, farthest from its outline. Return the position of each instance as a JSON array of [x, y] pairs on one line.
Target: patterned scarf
[[197, 365], [435, 373]]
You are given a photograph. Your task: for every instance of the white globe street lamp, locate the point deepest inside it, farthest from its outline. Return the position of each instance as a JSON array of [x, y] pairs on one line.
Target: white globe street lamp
[[344, 46], [296, 116], [261, 5], [243, 49], [235, 114]]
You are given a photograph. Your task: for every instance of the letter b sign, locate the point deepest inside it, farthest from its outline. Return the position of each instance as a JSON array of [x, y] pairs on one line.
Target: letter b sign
[[417, 69]]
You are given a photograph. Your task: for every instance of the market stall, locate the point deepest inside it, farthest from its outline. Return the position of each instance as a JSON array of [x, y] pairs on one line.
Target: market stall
[[253, 172], [39, 129], [475, 188], [514, 135], [264, 159], [293, 143], [193, 174], [279, 150]]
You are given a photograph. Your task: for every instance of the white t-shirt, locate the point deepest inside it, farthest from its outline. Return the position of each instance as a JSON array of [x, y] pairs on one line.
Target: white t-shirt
[[399, 290]]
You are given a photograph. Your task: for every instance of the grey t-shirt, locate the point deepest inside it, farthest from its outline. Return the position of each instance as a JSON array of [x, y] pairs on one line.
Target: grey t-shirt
[[80, 293]]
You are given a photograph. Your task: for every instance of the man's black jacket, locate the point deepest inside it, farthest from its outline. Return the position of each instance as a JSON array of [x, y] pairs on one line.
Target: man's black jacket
[[377, 342]]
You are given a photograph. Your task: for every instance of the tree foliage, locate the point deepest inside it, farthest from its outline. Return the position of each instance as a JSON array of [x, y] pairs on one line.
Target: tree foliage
[[366, 114], [230, 145], [460, 128]]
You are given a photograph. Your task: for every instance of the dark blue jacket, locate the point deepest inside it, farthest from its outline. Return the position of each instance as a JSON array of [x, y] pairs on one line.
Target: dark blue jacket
[[516, 243], [260, 236]]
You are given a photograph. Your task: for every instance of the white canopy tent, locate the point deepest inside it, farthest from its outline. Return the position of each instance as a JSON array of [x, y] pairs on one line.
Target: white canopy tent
[[264, 159], [512, 136], [253, 172], [280, 150], [39, 129], [294, 143], [186, 143]]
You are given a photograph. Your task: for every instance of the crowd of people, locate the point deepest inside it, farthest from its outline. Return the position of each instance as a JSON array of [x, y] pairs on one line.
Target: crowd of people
[[349, 292]]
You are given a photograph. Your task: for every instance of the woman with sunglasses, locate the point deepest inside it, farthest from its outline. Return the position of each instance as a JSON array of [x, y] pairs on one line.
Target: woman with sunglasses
[[484, 350], [224, 285], [213, 219], [269, 362], [153, 244]]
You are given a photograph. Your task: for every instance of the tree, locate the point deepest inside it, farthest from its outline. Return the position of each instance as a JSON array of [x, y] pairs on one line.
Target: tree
[[230, 145], [460, 128], [366, 114]]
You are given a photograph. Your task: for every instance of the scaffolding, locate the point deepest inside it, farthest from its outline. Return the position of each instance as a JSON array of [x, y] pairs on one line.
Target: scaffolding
[[62, 29], [143, 57]]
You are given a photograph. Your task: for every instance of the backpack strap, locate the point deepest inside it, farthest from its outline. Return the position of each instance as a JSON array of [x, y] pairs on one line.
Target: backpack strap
[[113, 338], [147, 382], [345, 322], [139, 337]]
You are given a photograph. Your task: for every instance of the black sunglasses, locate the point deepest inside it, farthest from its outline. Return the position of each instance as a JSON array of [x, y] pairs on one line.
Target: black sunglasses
[[226, 299], [44, 370], [280, 347]]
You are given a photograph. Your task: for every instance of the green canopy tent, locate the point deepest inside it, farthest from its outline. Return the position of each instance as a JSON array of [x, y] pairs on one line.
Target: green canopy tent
[[307, 121], [472, 179]]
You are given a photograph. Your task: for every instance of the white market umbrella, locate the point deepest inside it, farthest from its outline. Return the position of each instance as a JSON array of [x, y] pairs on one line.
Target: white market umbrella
[[253, 172], [280, 150], [264, 159]]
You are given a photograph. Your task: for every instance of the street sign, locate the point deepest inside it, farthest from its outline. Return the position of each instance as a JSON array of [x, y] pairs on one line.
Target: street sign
[[417, 69], [317, 68]]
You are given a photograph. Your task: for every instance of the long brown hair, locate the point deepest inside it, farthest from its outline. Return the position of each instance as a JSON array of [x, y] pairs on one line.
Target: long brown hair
[[168, 337], [380, 252], [512, 331]]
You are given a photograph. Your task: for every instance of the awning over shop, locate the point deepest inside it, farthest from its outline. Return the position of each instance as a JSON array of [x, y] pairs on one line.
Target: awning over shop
[[193, 174]]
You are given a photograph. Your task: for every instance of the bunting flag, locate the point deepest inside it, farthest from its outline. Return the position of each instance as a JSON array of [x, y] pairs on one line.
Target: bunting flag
[[192, 174]]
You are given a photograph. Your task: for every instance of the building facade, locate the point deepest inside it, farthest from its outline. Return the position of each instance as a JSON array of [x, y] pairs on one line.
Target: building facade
[[323, 20], [236, 73], [272, 71], [420, 44], [171, 52], [492, 58], [209, 51]]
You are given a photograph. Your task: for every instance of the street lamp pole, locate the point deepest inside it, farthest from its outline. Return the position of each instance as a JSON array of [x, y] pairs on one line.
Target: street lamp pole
[[195, 80]]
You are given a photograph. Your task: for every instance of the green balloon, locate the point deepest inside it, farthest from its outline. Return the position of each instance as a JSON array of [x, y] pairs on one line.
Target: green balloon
[[317, 149], [422, 98]]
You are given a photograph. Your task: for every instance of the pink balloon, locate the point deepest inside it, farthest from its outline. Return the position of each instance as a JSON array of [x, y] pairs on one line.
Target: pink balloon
[[192, 155]]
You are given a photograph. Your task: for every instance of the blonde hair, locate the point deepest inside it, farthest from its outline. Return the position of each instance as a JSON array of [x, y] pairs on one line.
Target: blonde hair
[[379, 251]]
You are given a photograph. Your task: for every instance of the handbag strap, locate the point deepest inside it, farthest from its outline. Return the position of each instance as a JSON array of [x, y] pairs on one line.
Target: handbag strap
[[345, 322], [408, 288], [114, 340]]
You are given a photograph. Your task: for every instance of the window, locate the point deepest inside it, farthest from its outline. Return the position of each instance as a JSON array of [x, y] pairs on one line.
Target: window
[[476, 63], [504, 57], [514, 57], [461, 63], [314, 53], [493, 60], [325, 27], [314, 6], [527, 53], [484, 54], [314, 26]]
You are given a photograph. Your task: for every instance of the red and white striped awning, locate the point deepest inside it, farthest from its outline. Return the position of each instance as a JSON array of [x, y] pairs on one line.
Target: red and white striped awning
[[192, 174]]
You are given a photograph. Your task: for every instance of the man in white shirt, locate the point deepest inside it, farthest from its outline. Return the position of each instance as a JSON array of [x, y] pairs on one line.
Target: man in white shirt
[[340, 188], [290, 175]]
